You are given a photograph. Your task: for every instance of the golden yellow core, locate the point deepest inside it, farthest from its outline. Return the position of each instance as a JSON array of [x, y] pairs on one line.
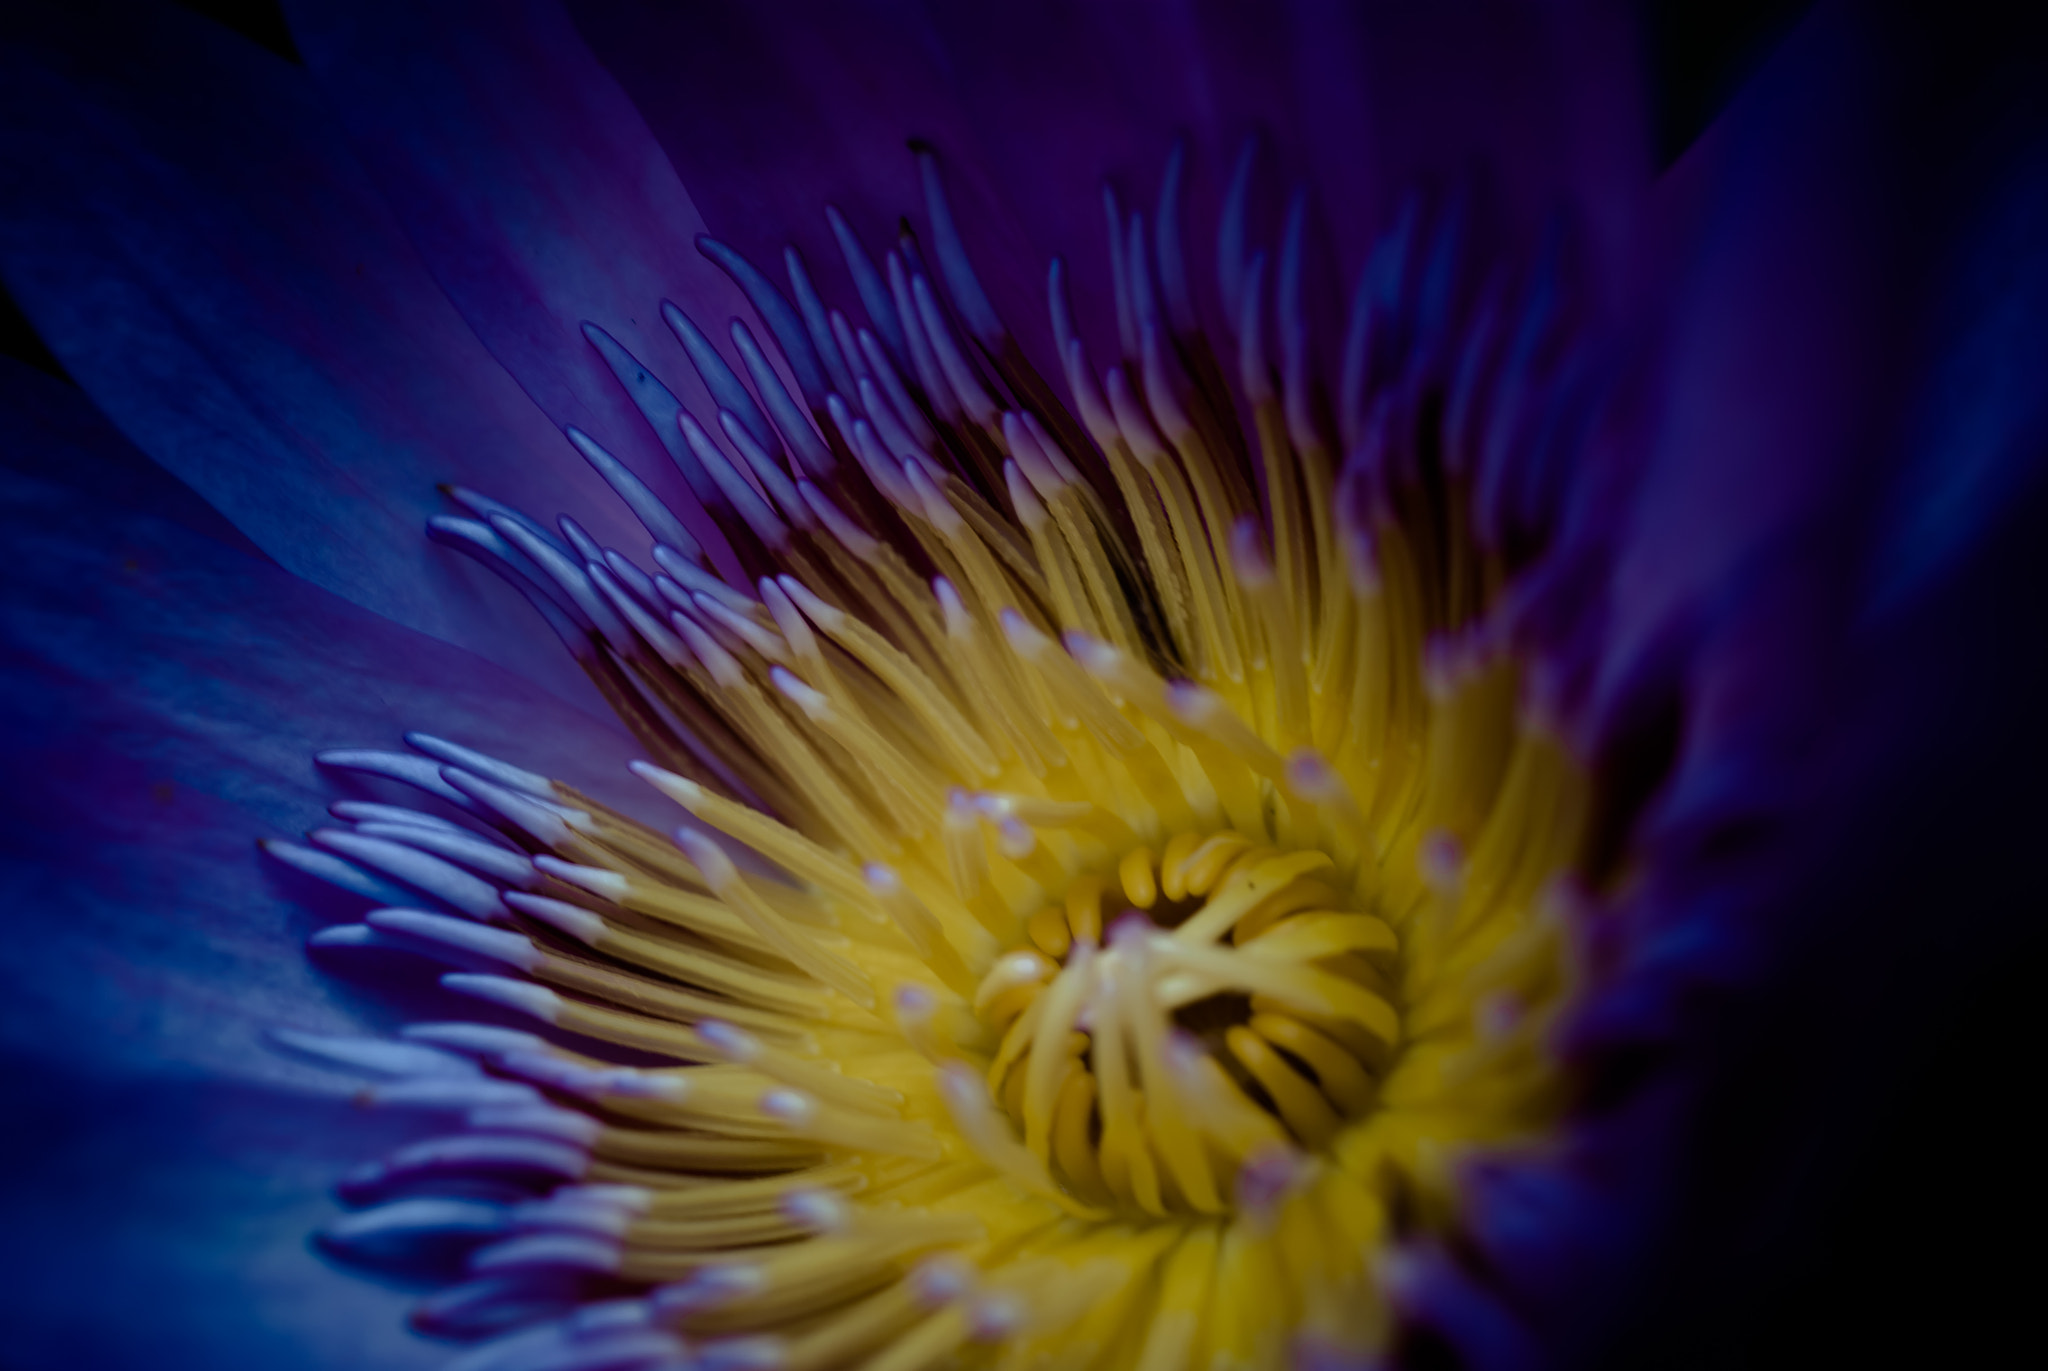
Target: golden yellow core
[[1232, 974]]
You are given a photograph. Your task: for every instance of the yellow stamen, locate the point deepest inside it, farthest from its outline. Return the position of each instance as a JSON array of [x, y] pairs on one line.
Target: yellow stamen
[[1215, 882]]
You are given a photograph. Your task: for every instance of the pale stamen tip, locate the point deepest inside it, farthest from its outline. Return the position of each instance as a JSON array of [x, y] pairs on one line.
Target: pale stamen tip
[[345, 935], [577, 922], [914, 1004], [736, 1044], [792, 1107], [817, 1211], [941, 1280], [707, 1288], [1248, 554], [1027, 640], [707, 856], [1095, 655], [760, 1352], [549, 1251], [481, 1040], [995, 1317], [610, 1316], [962, 1085], [1309, 773], [536, 1000], [1128, 929], [1442, 861], [1192, 704], [1268, 1176], [1015, 839], [1183, 1048]]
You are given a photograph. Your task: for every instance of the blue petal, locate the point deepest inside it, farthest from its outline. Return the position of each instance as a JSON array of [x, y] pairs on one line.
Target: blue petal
[[1840, 507], [164, 1222], [162, 687], [1781, 346], [55, 435], [1982, 426], [536, 196], [194, 240], [163, 695]]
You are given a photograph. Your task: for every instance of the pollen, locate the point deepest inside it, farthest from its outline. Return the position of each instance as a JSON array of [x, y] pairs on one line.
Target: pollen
[[1116, 869]]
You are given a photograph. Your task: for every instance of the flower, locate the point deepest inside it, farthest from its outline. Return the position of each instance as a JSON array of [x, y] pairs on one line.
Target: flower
[[1150, 859]]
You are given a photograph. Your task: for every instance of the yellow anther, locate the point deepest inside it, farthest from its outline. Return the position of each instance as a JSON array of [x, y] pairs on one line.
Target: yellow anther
[[1049, 931], [1307, 1114], [1173, 864], [1135, 873], [1337, 1071], [1199, 870], [1083, 908]]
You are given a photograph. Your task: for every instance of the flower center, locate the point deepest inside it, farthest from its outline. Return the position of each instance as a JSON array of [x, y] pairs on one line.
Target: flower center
[[1242, 1001], [1113, 815]]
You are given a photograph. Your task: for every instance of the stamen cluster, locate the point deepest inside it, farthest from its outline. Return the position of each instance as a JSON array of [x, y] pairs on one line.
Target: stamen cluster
[[1114, 873]]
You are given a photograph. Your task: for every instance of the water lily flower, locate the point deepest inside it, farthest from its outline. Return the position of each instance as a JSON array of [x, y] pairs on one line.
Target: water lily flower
[[844, 778]]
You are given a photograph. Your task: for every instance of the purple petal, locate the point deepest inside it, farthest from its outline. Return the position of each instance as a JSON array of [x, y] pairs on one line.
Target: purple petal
[[55, 435], [1029, 107], [197, 244], [162, 688], [1839, 518], [1783, 343], [159, 1221], [164, 695], [536, 196]]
